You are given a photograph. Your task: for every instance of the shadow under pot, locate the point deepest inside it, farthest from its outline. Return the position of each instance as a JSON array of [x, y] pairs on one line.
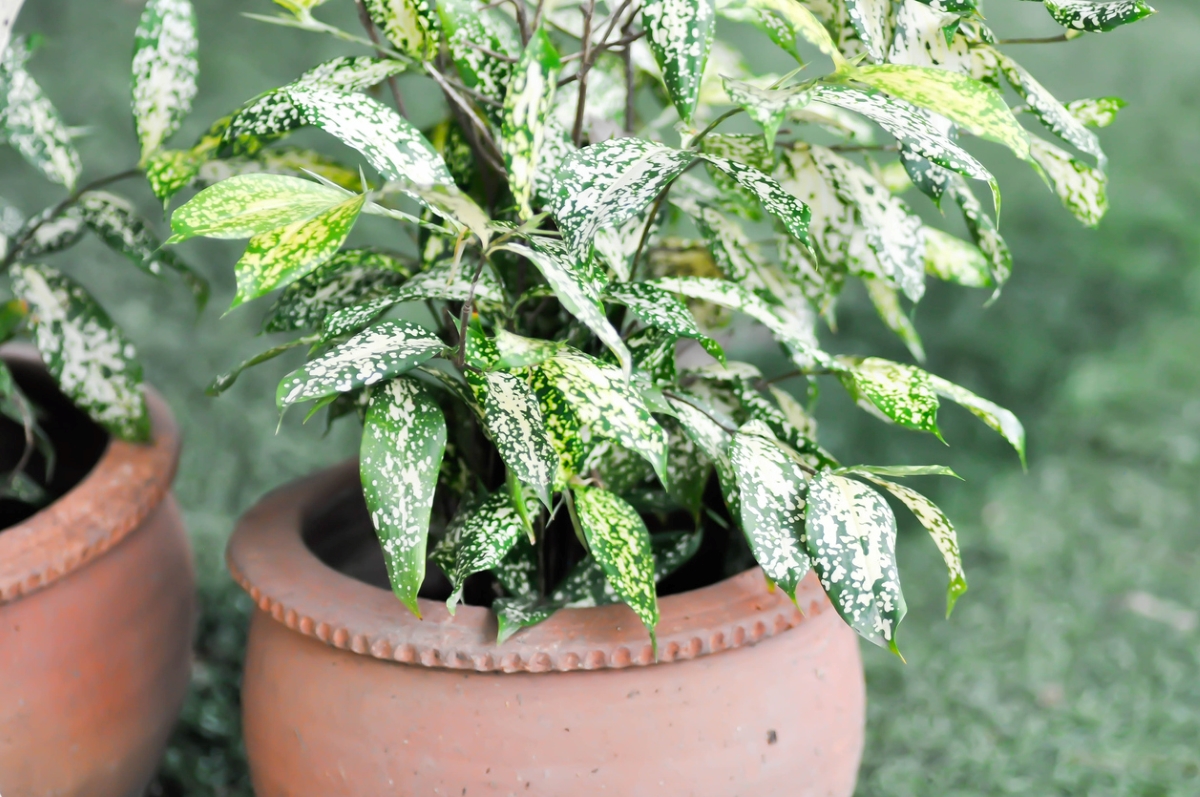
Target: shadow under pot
[[346, 693], [97, 605]]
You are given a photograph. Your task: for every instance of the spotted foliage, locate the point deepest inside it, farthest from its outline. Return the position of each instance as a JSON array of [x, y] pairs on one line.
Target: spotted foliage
[[903, 393], [513, 420], [350, 277], [1096, 17], [658, 308], [165, 68], [411, 26], [954, 260], [681, 36], [872, 20], [251, 204], [1100, 112], [526, 104], [996, 417], [31, 124], [1081, 188], [484, 537]]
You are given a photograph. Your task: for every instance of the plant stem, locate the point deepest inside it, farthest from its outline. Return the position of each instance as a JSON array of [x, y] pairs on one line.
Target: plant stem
[[630, 87], [584, 66], [713, 126], [1045, 40], [489, 153], [368, 24], [654, 209], [466, 315]]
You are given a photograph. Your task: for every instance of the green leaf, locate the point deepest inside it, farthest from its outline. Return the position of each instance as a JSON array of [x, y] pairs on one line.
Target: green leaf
[[899, 471], [771, 195], [225, 381], [411, 26], [1096, 17], [516, 351], [465, 25], [30, 123], [404, 438], [1083, 190], [93, 363], [711, 430], [925, 36], [984, 232], [658, 308], [164, 70], [952, 6], [381, 352], [526, 104], [872, 20], [1100, 112], [351, 276], [607, 184], [688, 467], [574, 291], [513, 420], [169, 171], [681, 36], [518, 571], [279, 257], [603, 400], [850, 534], [767, 107], [772, 487], [250, 204], [954, 260], [833, 221], [903, 393], [48, 233], [974, 106], [783, 21], [620, 543], [999, 419], [485, 537], [114, 220], [395, 148], [887, 304], [8, 17], [1052, 113]]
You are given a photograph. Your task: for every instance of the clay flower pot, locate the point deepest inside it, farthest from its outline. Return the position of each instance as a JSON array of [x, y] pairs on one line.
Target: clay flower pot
[[346, 693], [96, 611]]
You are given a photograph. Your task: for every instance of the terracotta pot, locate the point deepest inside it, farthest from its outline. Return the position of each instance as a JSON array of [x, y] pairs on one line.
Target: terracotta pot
[[96, 615], [346, 693]]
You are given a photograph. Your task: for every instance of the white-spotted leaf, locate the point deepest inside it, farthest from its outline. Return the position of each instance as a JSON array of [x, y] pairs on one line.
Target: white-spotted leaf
[[514, 421], [903, 393], [523, 129], [995, 416], [30, 123], [250, 204], [164, 70], [1097, 17], [484, 537], [681, 35], [1082, 189]]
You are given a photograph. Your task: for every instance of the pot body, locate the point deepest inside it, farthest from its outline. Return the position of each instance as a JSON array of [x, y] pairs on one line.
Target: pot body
[[96, 619], [344, 693]]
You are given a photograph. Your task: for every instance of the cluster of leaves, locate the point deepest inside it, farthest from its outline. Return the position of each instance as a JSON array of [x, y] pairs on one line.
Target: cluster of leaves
[[92, 361]]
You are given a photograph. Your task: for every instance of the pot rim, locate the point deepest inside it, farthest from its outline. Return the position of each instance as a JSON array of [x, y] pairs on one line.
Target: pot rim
[[122, 488], [268, 557]]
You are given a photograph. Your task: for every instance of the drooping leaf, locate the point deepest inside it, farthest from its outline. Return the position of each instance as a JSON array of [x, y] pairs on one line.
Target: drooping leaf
[[526, 104], [903, 393], [279, 257], [872, 20], [887, 304], [1100, 112], [351, 276], [247, 205], [47, 233], [1052, 113], [767, 107], [487, 534], [514, 421], [681, 36], [411, 26], [226, 380], [395, 148], [772, 487], [952, 6], [93, 363], [688, 467], [404, 438], [620, 543], [30, 123], [517, 572], [658, 308], [164, 70], [974, 106], [793, 213], [1095, 17], [984, 232], [850, 534], [1082, 189], [995, 416], [383, 351], [954, 260], [115, 221], [783, 21]]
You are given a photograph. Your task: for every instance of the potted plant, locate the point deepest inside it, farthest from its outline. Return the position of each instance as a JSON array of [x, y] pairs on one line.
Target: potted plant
[[547, 415], [96, 584]]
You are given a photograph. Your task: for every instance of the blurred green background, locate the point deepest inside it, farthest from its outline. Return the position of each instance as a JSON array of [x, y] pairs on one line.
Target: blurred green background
[[1072, 667]]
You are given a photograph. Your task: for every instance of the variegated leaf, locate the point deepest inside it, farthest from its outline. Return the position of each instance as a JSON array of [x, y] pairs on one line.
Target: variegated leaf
[[514, 421], [251, 204], [518, 571], [688, 467], [350, 276], [93, 363], [8, 17], [850, 534], [1052, 113], [974, 106], [767, 107], [939, 527], [658, 308], [114, 220], [486, 536], [516, 351], [574, 291], [620, 543], [464, 25], [1082, 189], [887, 304], [279, 257], [523, 127], [604, 401], [1100, 112], [921, 37], [793, 213], [712, 431], [996, 417], [383, 351], [411, 26], [1095, 17], [681, 35], [607, 184], [833, 220], [571, 438], [30, 123], [404, 438], [903, 393], [47, 232], [954, 260], [395, 148], [164, 70], [984, 231], [783, 21], [772, 488], [872, 20], [952, 6], [169, 171]]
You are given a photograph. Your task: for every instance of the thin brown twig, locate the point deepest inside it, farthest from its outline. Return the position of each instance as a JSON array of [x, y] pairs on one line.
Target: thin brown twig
[[637, 256], [584, 65], [490, 53], [537, 14], [368, 24], [477, 124], [465, 316], [1035, 40]]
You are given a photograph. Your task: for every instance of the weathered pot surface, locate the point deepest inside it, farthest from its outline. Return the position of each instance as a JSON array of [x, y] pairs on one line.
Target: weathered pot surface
[[346, 693], [96, 614]]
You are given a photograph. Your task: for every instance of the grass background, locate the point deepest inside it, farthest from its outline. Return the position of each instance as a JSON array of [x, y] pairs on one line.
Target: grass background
[[1070, 668]]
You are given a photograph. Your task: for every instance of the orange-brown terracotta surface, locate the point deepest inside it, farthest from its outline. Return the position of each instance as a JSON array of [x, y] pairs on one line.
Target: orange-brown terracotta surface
[[96, 616], [345, 693]]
